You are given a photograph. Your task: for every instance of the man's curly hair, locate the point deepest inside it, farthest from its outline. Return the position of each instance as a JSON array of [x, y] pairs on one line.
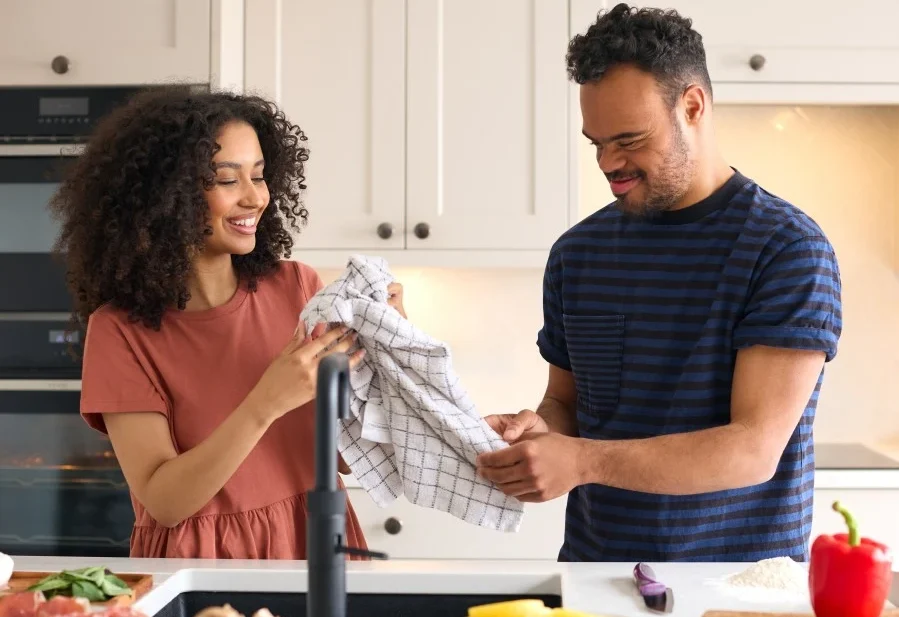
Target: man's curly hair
[[132, 208], [660, 42]]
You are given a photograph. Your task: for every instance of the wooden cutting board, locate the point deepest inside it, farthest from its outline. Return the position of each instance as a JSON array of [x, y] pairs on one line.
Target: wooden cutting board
[[887, 613], [140, 584]]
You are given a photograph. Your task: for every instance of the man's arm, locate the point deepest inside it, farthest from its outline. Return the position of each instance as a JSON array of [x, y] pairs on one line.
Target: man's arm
[[790, 327], [555, 414], [771, 389], [559, 406]]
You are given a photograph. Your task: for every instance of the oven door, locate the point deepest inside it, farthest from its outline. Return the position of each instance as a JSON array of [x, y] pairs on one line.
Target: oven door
[[62, 492], [33, 279]]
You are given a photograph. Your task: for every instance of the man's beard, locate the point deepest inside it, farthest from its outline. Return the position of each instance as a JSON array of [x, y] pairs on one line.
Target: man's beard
[[668, 186]]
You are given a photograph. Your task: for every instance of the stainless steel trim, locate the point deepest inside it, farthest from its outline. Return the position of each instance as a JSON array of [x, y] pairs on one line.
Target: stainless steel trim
[[41, 149], [21, 316], [40, 385]]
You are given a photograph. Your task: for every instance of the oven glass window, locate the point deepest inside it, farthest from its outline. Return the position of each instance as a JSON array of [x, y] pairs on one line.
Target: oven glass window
[[61, 489], [26, 185]]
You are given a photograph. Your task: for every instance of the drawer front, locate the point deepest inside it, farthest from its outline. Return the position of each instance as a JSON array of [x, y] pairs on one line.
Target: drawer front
[[406, 531]]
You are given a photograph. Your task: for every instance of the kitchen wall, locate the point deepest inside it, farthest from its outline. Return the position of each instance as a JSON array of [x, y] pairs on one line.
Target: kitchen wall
[[839, 164]]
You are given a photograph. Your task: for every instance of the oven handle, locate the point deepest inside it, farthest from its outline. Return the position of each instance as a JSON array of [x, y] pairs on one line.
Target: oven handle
[[86, 483], [40, 385], [41, 149]]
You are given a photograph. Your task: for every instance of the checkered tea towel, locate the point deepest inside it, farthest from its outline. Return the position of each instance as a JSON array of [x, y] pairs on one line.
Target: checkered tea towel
[[413, 429]]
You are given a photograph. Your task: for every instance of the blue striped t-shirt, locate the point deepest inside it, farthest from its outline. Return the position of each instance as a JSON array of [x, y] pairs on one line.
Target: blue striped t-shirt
[[649, 315]]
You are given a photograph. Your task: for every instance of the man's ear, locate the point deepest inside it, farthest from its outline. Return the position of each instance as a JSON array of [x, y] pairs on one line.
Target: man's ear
[[695, 101]]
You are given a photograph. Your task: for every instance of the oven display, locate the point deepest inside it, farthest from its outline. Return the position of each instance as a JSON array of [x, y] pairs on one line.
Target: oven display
[[63, 106], [63, 336]]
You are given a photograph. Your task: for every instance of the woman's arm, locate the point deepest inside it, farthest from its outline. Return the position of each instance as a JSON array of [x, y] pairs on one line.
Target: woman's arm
[[174, 487]]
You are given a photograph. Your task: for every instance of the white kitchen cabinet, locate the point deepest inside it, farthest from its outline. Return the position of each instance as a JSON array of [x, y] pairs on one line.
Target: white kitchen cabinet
[[434, 127], [797, 41], [487, 101], [875, 510], [104, 42], [339, 74], [406, 531], [770, 51]]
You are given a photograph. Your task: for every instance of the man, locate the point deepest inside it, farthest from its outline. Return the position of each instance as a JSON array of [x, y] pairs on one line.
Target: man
[[686, 326]]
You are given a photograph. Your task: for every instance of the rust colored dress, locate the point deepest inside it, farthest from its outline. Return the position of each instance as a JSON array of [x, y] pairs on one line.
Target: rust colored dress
[[195, 371]]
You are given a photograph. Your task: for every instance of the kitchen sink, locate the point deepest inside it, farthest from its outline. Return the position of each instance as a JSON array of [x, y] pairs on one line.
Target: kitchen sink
[[411, 592], [190, 603]]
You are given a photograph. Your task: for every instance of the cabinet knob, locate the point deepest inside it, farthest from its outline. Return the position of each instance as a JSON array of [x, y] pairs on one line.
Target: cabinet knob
[[756, 62], [385, 230], [60, 65], [393, 525], [422, 230]]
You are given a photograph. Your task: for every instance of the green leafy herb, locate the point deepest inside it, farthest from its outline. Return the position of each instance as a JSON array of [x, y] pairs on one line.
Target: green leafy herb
[[96, 584]]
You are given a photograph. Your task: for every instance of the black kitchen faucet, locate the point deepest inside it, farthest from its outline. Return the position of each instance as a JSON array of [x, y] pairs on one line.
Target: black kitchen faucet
[[326, 524]]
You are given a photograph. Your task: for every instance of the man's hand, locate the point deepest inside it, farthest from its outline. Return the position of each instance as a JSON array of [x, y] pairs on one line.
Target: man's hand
[[511, 426], [395, 298], [540, 467]]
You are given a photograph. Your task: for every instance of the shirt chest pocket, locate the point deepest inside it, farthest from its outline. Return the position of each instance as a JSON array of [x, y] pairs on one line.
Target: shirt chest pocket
[[595, 349]]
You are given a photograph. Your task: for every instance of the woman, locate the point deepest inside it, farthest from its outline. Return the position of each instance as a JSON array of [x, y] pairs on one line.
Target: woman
[[175, 220]]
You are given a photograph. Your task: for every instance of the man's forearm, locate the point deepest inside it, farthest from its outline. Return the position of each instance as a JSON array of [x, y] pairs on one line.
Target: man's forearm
[[559, 417], [715, 459]]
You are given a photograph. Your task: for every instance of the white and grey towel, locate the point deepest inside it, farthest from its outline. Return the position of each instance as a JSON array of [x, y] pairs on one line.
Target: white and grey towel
[[413, 429]]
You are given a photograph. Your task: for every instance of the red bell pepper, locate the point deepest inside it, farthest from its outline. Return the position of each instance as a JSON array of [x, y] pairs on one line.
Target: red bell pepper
[[849, 576]]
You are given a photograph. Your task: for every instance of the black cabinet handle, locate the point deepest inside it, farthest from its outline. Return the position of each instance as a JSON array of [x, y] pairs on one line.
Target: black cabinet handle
[[385, 230], [422, 231], [60, 65], [393, 525], [756, 62]]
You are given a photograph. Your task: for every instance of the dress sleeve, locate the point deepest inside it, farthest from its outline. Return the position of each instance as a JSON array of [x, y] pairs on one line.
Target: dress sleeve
[[114, 377]]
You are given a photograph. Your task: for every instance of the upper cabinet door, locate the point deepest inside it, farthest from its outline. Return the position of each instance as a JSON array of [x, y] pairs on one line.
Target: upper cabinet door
[[487, 120], [336, 69], [787, 41], [100, 42], [799, 41]]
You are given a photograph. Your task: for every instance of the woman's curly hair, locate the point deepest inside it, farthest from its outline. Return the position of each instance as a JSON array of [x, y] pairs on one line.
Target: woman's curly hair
[[132, 208], [660, 42]]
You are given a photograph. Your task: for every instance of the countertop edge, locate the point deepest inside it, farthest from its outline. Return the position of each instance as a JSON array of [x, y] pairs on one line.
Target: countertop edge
[[584, 586], [875, 479]]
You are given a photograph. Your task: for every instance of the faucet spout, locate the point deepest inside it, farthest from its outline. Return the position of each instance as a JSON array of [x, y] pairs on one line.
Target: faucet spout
[[332, 403], [326, 524]]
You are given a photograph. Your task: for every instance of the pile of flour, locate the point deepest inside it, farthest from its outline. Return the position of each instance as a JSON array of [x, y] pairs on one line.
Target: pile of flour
[[780, 573]]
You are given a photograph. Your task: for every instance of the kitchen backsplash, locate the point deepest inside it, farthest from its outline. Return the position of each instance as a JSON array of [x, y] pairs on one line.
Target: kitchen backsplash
[[839, 164]]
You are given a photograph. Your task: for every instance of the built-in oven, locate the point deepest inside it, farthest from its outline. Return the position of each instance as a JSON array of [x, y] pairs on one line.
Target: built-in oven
[[61, 489]]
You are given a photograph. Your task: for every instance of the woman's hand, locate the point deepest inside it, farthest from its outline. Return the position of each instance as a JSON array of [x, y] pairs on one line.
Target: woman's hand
[[395, 298], [290, 380]]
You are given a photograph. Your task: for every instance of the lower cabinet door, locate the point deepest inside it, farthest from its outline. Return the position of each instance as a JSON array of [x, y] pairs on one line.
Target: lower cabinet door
[[406, 531]]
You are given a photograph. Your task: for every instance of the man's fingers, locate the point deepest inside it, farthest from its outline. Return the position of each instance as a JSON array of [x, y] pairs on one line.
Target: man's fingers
[[524, 490], [514, 429], [501, 458], [524, 421], [530, 497], [497, 422], [504, 475]]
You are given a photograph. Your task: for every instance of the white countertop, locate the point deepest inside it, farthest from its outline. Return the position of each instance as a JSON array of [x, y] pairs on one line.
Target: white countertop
[[601, 588]]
